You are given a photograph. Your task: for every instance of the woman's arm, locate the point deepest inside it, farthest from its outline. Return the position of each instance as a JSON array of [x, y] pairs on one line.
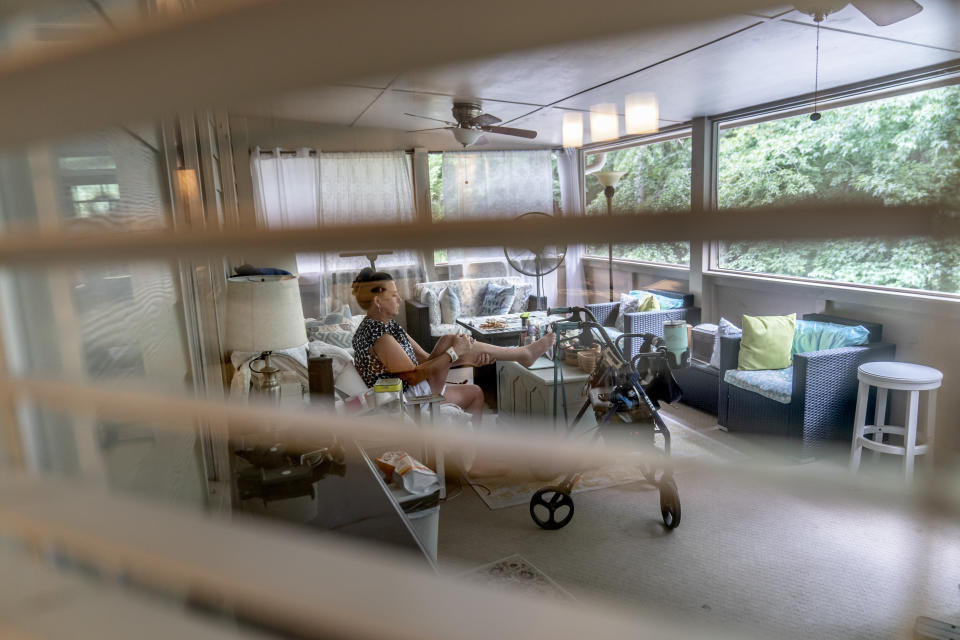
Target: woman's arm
[[422, 356], [396, 361]]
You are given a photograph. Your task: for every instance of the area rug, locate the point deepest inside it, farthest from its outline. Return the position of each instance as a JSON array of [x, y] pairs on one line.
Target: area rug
[[516, 573], [501, 492]]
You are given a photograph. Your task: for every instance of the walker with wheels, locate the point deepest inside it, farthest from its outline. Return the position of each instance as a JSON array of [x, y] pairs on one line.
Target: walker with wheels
[[619, 392]]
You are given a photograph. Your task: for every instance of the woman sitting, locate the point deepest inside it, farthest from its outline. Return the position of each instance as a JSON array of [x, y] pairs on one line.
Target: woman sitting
[[382, 349]]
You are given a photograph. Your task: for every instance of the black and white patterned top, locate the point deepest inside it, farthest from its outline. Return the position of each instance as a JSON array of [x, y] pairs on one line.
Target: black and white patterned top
[[366, 361]]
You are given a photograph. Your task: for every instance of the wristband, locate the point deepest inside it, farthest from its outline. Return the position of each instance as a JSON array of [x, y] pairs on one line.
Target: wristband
[[453, 354]]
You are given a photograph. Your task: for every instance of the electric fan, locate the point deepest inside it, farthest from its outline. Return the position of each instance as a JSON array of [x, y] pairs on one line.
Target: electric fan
[[536, 261]]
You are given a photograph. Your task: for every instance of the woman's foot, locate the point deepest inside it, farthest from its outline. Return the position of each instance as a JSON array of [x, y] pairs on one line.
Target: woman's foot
[[537, 349]]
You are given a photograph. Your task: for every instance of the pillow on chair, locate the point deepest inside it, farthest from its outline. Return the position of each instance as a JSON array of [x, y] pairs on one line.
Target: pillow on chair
[[634, 304], [430, 299], [449, 306], [767, 342], [666, 302], [725, 328], [811, 335], [497, 299]]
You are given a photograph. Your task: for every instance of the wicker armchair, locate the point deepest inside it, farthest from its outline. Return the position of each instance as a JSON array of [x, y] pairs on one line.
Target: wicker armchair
[[824, 396], [646, 321]]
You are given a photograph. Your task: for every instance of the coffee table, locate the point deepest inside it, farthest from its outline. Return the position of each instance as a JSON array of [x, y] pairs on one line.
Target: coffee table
[[509, 336]]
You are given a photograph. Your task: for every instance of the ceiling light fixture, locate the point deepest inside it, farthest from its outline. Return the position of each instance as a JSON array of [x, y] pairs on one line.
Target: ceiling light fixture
[[816, 76], [642, 115], [466, 137], [572, 130], [604, 122]]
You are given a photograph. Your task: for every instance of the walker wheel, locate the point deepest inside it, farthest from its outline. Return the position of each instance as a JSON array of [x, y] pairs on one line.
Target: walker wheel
[[670, 503], [551, 508]]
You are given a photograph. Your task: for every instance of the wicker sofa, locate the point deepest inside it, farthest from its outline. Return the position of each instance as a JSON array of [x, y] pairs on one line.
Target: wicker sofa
[[823, 398], [471, 292], [645, 321]]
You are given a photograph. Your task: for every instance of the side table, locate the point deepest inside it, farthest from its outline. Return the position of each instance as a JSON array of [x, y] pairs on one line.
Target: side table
[[524, 394], [900, 376]]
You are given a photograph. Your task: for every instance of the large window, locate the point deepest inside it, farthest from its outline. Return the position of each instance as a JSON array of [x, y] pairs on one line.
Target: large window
[[435, 164], [901, 150], [657, 179]]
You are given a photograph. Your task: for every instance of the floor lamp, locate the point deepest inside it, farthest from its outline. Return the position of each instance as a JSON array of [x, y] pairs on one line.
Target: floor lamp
[[609, 180]]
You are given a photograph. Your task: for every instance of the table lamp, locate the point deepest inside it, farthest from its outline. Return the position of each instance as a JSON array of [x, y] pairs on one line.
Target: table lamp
[[264, 315]]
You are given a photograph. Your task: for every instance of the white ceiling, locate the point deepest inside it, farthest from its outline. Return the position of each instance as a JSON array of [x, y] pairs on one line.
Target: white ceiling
[[702, 69]]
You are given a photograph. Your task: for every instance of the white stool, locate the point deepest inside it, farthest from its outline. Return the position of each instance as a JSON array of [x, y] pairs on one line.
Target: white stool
[[899, 376]]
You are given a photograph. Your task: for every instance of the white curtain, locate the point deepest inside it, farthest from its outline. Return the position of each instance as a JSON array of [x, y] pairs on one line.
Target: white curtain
[[496, 185], [570, 172], [334, 189]]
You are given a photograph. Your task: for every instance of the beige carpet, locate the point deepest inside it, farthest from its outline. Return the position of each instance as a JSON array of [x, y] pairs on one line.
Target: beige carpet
[[772, 562], [502, 492]]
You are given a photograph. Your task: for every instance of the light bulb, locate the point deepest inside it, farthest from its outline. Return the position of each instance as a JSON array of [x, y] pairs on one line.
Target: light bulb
[[642, 114], [604, 122], [572, 130]]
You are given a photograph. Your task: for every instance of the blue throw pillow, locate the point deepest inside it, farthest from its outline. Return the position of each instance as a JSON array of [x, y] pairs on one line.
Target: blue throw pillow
[[337, 317], [498, 299], [817, 336], [666, 302]]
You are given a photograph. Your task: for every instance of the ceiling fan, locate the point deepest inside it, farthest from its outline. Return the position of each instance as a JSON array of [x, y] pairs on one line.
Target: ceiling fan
[[471, 123], [880, 12]]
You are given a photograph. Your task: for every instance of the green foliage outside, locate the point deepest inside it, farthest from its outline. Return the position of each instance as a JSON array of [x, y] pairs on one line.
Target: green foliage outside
[[902, 150], [658, 180]]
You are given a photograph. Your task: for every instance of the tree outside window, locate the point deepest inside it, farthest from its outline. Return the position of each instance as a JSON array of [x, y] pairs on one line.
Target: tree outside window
[[896, 151], [657, 180]]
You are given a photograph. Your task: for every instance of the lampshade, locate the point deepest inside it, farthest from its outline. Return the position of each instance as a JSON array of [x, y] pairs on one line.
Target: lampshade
[[264, 314], [466, 137], [604, 122], [572, 130], [642, 114], [609, 178]]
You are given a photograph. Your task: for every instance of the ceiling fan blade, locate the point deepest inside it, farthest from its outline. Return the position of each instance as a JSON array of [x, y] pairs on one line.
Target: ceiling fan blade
[[485, 120], [430, 129], [510, 131], [885, 12], [481, 140], [446, 122]]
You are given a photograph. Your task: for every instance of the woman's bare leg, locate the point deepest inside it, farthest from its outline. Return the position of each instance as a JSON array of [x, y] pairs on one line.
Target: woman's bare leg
[[525, 355], [468, 397]]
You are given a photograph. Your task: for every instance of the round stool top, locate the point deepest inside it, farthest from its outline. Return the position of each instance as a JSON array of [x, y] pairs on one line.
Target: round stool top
[[899, 375]]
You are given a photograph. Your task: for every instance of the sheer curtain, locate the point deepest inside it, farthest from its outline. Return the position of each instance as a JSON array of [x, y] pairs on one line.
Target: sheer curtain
[[498, 185], [571, 172], [334, 189]]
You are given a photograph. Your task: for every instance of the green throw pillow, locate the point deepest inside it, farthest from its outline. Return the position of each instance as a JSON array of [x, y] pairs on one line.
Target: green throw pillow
[[767, 342]]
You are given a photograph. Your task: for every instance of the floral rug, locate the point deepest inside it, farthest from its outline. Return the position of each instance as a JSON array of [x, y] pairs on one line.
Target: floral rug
[[501, 492], [518, 574]]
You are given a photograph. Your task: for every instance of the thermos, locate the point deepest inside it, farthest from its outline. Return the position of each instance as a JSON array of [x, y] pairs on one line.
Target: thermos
[[675, 336]]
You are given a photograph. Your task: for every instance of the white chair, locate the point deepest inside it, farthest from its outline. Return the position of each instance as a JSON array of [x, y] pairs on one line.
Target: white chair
[[897, 376]]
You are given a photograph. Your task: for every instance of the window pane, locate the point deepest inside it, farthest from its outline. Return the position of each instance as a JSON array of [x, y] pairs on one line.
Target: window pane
[[657, 179], [895, 151]]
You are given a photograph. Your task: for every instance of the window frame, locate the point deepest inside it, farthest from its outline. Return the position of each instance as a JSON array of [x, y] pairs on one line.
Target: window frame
[[927, 79], [667, 134]]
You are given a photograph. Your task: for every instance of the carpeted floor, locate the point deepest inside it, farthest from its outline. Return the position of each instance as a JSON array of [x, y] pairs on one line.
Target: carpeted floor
[[686, 443], [779, 564]]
